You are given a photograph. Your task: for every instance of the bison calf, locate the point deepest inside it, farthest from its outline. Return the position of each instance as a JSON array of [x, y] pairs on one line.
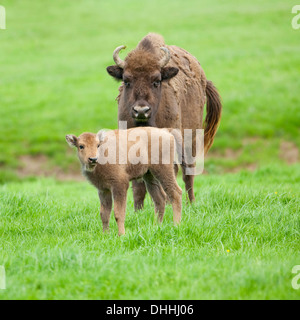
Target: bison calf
[[111, 159]]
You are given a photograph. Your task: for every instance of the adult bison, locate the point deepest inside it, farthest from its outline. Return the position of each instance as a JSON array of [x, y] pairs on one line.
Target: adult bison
[[164, 86]]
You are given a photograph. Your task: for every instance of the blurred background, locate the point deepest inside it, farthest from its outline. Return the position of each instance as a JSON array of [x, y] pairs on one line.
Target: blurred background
[[53, 80]]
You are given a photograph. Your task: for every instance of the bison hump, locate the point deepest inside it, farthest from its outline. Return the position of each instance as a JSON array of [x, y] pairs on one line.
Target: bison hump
[[151, 42]]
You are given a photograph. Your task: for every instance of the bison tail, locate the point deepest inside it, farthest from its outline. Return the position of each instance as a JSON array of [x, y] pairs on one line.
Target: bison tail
[[213, 114]]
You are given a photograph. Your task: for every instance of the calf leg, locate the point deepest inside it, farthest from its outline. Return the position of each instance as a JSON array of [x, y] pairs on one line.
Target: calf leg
[[190, 154], [139, 194], [105, 208], [176, 169], [165, 175], [189, 185], [157, 194], [119, 193]]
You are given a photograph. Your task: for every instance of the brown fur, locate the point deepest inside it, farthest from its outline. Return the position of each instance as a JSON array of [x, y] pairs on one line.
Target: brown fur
[[178, 102], [112, 180]]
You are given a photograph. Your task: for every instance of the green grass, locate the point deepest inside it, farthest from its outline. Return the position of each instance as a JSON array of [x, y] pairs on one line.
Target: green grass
[[239, 241]]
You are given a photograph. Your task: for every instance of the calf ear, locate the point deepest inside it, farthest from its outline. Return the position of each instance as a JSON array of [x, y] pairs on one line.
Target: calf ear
[[168, 73], [101, 135], [72, 140], [115, 72]]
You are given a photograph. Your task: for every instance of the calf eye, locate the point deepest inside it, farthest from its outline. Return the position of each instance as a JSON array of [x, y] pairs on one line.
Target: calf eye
[[156, 84], [127, 84], [98, 145], [81, 147]]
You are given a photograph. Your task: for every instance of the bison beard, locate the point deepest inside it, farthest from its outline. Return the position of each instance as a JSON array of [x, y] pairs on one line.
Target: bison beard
[[164, 86]]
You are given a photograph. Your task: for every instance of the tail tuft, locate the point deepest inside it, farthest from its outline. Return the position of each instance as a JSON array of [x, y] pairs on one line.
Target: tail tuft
[[213, 114]]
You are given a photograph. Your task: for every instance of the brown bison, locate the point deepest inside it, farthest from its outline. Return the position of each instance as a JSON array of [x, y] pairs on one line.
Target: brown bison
[[112, 180], [164, 86]]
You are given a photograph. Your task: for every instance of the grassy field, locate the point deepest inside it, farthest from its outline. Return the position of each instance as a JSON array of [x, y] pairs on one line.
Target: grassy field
[[240, 240]]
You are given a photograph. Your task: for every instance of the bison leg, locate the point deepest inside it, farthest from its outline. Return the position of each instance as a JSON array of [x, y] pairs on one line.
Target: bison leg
[[139, 194], [189, 185], [120, 196], [176, 169], [165, 175], [105, 208], [157, 194]]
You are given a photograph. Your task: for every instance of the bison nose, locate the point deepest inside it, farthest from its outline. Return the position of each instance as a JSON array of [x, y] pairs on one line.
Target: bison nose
[[93, 160], [141, 112]]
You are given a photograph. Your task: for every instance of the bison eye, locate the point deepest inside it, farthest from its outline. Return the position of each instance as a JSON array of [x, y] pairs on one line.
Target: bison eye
[[156, 84], [81, 147], [127, 84]]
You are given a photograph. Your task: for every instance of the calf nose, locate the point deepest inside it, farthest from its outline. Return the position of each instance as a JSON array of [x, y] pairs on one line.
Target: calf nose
[[93, 160], [141, 112]]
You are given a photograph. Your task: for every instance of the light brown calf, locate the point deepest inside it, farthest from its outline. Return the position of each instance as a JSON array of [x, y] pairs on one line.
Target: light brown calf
[[146, 158]]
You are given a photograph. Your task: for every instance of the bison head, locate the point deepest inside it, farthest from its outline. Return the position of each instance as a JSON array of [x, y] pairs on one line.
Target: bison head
[[142, 74]]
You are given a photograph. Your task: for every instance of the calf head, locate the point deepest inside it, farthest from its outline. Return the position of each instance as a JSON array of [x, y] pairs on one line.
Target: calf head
[[86, 144], [142, 74]]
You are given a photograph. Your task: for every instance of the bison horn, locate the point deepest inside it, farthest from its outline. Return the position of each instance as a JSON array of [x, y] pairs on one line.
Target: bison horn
[[119, 62], [166, 58]]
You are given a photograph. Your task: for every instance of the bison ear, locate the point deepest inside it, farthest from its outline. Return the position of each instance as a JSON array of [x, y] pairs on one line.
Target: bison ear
[[115, 72], [72, 140], [101, 135], [168, 73]]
